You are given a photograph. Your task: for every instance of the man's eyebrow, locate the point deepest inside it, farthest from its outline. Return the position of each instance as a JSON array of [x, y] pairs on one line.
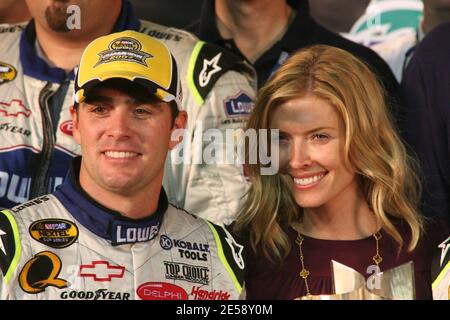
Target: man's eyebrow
[[98, 98]]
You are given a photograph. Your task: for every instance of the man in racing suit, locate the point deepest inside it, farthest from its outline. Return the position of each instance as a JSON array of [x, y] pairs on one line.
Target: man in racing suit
[[35, 97], [108, 231]]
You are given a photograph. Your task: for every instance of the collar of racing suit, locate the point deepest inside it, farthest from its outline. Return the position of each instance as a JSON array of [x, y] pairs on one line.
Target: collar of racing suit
[[36, 67], [106, 223]]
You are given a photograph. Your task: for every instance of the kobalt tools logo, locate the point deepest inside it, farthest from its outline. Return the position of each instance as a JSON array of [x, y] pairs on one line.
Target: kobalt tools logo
[[14, 109], [186, 249], [186, 272], [101, 271], [167, 244], [161, 291]]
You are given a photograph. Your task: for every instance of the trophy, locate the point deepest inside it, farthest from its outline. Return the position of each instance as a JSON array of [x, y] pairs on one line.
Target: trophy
[[348, 284]]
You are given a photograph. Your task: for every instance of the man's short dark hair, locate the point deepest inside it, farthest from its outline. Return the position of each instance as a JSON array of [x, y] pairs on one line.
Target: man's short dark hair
[[137, 91]]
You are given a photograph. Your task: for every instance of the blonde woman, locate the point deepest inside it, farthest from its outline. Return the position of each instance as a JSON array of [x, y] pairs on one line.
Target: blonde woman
[[345, 191]]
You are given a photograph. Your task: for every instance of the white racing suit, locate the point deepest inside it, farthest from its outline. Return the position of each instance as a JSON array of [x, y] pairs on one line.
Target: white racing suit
[[36, 128], [67, 246]]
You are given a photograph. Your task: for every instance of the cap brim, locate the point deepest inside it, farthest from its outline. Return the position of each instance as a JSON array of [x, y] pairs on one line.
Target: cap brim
[[154, 88]]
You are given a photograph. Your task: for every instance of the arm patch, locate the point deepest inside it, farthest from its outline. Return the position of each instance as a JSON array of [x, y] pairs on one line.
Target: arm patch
[[10, 248], [207, 64], [230, 253]]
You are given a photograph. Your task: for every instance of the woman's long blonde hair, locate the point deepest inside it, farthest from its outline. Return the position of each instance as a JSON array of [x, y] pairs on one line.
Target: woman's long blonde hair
[[372, 147]]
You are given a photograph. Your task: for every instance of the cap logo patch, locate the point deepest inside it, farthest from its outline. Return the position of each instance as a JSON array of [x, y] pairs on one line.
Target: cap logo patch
[[124, 49]]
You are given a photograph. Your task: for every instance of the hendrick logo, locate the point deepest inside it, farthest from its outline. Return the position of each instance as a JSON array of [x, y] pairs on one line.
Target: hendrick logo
[[55, 233], [200, 294], [161, 291]]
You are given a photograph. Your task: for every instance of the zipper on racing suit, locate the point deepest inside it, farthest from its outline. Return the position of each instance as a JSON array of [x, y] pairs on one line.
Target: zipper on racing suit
[[43, 160]]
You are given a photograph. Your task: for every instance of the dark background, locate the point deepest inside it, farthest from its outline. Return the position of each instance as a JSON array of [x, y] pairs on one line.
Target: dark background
[[337, 15]]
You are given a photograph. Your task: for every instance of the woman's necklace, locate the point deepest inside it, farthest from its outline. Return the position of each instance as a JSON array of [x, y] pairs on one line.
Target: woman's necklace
[[304, 273]]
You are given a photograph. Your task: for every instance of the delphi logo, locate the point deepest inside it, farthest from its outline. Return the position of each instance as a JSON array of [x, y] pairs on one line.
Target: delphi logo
[[67, 127], [14, 109]]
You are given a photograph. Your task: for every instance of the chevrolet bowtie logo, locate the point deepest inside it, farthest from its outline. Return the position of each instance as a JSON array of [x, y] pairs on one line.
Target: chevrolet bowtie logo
[[101, 271]]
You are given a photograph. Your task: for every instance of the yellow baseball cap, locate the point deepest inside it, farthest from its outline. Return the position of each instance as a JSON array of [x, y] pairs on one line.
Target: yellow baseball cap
[[133, 56]]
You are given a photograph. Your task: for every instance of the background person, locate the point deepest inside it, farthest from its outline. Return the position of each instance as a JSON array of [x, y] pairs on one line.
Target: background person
[[427, 118], [36, 96]]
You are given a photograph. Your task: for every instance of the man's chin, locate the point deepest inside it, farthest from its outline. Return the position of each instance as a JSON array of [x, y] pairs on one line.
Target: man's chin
[[57, 16]]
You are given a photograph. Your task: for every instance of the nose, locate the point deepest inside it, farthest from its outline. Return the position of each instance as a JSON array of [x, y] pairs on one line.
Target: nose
[[300, 156], [120, 125]]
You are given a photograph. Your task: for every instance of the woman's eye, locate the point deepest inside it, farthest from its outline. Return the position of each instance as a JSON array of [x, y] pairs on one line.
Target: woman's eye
[[283, 138], [320, 137]]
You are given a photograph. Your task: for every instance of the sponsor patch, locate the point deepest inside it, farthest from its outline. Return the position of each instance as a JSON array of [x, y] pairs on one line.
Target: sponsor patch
[[240, 105], [30, 203], [161, 35], [186, 272], [193, 255], [55, 233], [187, 250], [230, 251], [67, 127], [161, 291], [210, 67], [41, 272], [8, 127], [11, 28], [7, 73], [168, 243], [14, 108], [124, 49], [101, 271], [100, 294], [126, 232], [8, 251], [201, 294]]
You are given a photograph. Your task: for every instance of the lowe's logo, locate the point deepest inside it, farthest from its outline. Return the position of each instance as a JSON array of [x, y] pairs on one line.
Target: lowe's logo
[[239, 105], [126, 234]]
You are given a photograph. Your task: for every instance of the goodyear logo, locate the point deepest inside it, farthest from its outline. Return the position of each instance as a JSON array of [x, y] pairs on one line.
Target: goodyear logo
[[124, 49], [41, 272], [55, 233], [7, 73]]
